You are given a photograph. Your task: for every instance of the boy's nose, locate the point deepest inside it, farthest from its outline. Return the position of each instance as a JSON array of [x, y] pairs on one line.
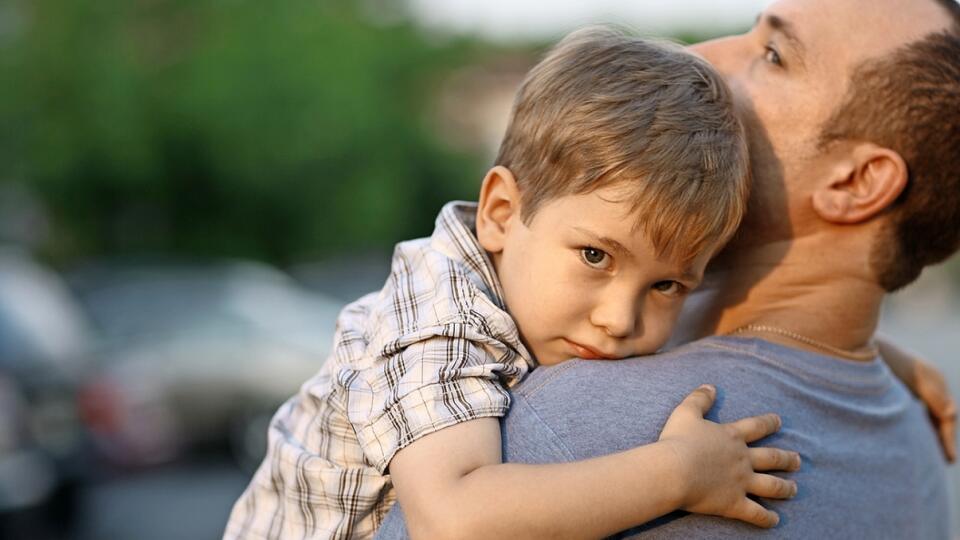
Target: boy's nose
[[618, 319]]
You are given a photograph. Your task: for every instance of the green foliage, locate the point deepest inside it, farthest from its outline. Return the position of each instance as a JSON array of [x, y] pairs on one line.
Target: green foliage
[[226, 127]]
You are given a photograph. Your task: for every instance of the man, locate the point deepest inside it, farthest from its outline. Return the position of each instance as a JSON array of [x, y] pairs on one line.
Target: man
[[852, 109]]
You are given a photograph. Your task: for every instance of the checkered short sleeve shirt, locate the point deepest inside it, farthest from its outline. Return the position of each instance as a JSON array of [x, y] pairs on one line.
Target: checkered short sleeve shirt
[[433, 348]]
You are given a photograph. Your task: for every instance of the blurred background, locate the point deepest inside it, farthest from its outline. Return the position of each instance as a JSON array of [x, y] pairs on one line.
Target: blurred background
[[190, 190]]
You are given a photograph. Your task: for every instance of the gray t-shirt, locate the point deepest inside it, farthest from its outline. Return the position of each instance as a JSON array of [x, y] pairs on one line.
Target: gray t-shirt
[[872, 466]]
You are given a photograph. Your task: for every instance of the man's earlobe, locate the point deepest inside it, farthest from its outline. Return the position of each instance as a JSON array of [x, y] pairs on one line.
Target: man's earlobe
[[498, 207], [862, 187]]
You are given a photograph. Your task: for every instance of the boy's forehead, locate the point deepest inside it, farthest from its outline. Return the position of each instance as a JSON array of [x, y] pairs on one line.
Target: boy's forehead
[[610, 219], [613, 203], [608, 208]]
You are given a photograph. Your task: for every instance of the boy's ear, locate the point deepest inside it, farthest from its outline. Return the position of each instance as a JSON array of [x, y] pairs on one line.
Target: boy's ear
[[497, 209], [862, 185]]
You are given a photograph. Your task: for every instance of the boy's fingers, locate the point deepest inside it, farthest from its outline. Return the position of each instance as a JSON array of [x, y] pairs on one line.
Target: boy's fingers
[[936, 396], [944, 418], [756, 427], [700, 400], [774, 459], [948, 411], [751, 512], [771, 487]]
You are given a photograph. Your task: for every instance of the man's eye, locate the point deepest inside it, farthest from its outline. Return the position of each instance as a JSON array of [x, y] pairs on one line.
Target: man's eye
[[669, 287], [771, 55], [596, 258]]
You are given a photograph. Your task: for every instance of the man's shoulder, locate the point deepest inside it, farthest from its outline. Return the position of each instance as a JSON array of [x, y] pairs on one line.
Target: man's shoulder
[[622, 403], [625, 403], [704, 361]]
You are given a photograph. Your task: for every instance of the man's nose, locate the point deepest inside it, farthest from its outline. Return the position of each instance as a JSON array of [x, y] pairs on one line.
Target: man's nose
[[718, 52], [618, 317]]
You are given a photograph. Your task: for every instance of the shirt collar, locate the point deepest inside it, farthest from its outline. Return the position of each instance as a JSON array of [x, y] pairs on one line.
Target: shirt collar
[[456, 236]]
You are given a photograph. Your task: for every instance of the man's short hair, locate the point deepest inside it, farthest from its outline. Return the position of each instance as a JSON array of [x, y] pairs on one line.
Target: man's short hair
[[909, 101], [606, 109]]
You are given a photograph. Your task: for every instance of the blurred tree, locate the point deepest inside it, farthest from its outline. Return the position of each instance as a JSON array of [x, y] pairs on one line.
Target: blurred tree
[[227, 127]]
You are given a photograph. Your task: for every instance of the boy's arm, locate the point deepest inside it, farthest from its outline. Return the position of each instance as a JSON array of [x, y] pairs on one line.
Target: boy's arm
[[928, 384], [452, 483]]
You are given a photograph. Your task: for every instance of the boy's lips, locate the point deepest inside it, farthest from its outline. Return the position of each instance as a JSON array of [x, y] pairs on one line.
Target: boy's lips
[[589, 353]]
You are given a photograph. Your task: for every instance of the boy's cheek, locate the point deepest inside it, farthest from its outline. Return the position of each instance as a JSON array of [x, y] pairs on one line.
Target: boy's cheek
[[659, 330]]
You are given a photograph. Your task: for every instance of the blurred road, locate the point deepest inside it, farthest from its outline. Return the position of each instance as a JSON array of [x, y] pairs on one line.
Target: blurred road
[[187, 501]]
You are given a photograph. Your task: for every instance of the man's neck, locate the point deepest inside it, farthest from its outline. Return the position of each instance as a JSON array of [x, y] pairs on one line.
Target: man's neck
[[797, 287]]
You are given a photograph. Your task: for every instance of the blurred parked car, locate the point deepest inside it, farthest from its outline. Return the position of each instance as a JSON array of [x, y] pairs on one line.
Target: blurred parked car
[[195, 355], [44, 340]]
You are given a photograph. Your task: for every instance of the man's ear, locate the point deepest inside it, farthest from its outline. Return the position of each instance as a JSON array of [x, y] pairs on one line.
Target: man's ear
[[498, 208], [862, 185]]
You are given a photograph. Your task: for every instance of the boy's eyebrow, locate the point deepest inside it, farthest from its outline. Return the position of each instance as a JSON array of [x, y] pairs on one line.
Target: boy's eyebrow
[[610, 243], [690, 275]]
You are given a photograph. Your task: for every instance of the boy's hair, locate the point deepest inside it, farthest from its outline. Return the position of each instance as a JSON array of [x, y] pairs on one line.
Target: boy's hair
[[606, 109]]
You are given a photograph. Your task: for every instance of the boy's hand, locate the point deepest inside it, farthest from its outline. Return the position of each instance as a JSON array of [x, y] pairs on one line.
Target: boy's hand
[[720, 468]]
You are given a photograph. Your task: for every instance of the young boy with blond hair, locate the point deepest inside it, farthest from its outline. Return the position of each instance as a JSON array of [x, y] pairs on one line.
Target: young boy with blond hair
[[623, 170]]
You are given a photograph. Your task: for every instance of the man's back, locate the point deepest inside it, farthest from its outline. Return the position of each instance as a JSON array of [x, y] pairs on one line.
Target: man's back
[[872, 467]]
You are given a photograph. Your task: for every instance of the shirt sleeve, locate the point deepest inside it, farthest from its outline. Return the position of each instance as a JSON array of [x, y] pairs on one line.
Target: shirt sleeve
[[443, 376]]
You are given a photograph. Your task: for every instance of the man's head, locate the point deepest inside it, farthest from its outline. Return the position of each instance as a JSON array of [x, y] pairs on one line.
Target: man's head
[[622, 170], [852, 110]]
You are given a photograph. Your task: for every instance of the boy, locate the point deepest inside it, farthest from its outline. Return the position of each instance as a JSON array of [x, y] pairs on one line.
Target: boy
[[622, 171]]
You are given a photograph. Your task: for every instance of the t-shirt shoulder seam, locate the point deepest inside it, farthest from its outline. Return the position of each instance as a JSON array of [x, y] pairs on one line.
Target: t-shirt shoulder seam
[[532, 388], [556, 438]]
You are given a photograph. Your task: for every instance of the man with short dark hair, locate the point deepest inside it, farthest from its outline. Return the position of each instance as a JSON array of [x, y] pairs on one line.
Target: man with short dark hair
[[852, 109]]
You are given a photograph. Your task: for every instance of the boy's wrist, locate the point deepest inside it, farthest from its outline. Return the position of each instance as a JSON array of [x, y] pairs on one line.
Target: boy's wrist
[[677, 478]]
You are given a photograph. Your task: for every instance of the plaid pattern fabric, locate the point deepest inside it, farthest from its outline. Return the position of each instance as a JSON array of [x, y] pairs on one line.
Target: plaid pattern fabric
[[433, 348]]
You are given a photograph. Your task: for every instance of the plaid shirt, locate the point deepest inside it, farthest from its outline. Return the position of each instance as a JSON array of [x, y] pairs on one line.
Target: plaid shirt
[[433, 348]]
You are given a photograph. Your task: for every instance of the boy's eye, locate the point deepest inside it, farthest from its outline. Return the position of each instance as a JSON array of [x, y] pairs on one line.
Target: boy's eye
[[595, 258], [669, 287]]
